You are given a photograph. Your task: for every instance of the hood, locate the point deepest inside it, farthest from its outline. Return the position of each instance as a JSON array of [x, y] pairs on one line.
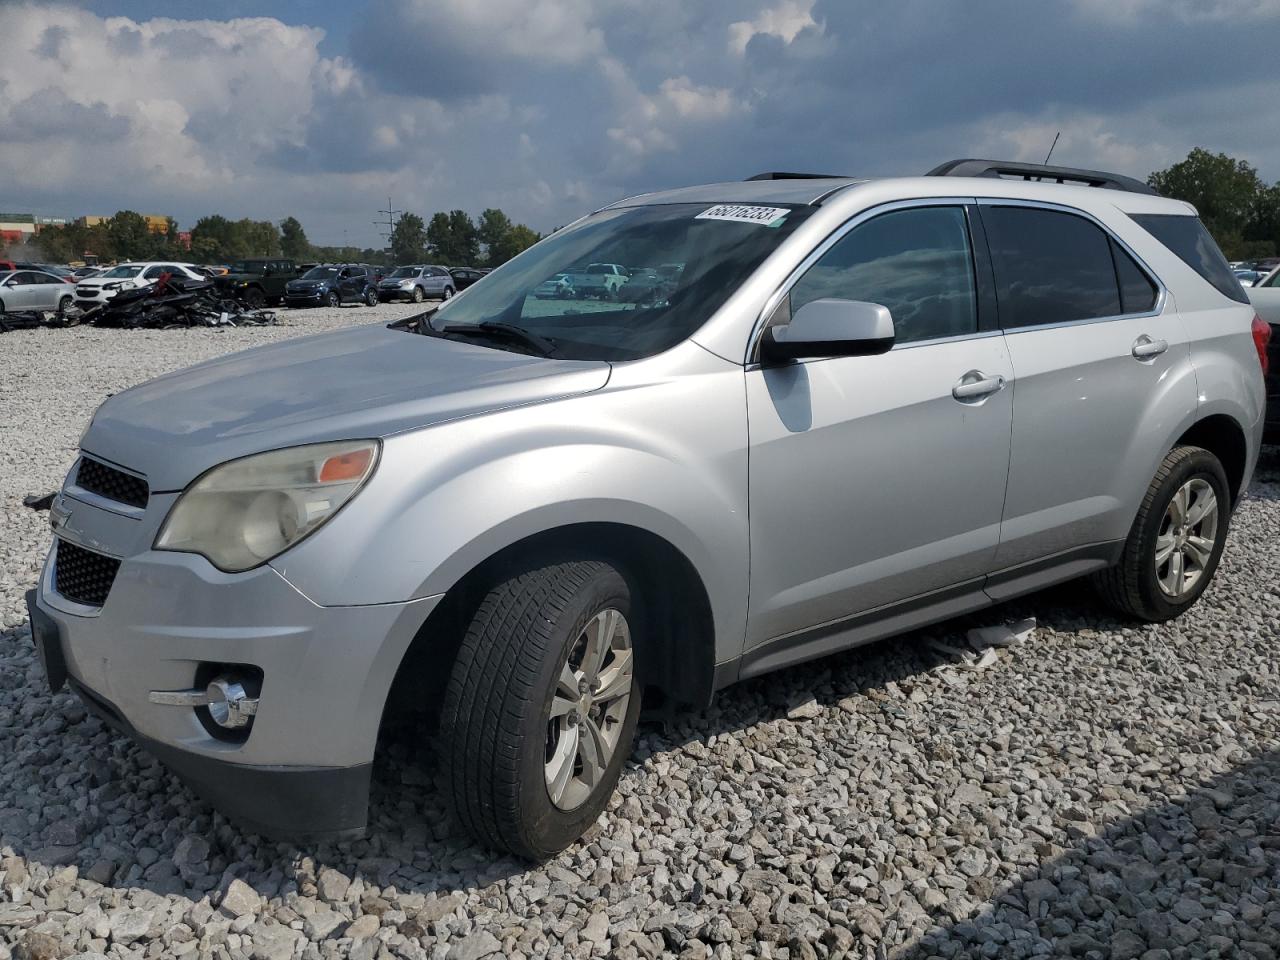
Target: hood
[[368, 381], [308, 284]]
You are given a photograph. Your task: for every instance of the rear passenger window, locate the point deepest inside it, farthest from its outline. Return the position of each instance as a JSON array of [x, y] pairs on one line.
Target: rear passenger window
[[1137, 292], [917, 262], [1050, 267]]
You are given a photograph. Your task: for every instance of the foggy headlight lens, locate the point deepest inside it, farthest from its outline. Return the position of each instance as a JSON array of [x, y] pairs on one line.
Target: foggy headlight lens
[[245, 512]]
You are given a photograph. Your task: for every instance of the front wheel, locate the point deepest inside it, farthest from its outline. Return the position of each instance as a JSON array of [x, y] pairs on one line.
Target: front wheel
[[541, 708], [64, 306], [418, 295], [254, 298], [333, 300], [1176, 541]]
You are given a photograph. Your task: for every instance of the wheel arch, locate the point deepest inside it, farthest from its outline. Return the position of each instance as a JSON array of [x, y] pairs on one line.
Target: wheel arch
[[677, 659], [1224, 437]]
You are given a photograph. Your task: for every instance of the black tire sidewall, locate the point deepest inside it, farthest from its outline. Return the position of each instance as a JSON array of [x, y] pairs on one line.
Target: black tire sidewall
[[547, 828], [1206, 466]]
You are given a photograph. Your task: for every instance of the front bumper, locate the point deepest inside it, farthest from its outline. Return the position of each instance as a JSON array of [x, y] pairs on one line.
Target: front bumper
[[305, 297], [303, 769]]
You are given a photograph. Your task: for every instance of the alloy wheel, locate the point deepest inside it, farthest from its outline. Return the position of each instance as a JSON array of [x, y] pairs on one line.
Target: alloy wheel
[[1188, 535], [588, 709]]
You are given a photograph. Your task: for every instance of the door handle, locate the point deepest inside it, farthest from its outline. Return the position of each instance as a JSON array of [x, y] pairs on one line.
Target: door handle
[[1144, 348], [975, 385]]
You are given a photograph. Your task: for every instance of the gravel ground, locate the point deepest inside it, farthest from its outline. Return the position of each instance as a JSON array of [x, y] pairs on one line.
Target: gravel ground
[[1099, 790]]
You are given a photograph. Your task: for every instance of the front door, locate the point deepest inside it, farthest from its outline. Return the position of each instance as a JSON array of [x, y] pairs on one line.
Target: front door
[[875, 480]]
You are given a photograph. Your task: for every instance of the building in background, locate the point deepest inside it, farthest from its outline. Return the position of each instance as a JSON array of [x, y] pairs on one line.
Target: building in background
[[17, 227], [155, 222]]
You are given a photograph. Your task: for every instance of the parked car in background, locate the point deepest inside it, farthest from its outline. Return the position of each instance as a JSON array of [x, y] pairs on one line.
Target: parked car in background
[[647, 286], [34, 290], [602, 280], [8, 266], [1265, 297], [130, 276], [417, 282], [332, 284], [85, 272], [558, 287], [464, 277], [65, 274], [259, 281], [1247, 277]]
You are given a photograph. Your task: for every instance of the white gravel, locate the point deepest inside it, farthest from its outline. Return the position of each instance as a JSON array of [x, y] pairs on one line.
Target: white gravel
[[1097, 790]]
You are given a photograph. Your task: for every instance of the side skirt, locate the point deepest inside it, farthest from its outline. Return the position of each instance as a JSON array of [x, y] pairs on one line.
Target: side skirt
[[916, 612]]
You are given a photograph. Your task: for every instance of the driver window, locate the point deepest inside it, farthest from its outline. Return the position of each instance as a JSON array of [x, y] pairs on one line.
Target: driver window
[[917, 262]]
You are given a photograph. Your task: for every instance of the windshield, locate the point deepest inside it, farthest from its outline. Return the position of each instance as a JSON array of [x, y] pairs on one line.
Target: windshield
[[122, 272], [405, 271], [320, 273], [715, 248]]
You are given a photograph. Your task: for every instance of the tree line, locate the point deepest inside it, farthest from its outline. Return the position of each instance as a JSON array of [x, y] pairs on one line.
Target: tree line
[[452, 239], [1240, 209]]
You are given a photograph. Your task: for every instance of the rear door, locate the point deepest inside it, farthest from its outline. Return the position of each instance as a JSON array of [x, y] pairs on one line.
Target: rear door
[[1103, 375], [875, 480]]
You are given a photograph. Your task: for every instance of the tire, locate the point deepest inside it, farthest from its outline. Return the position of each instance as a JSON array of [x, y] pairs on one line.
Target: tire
[[418, 295], [1142, 584], [448, 293], [275, 301], [64, 304], [498, 705], [332, 299], [254, 298], [371, 297]]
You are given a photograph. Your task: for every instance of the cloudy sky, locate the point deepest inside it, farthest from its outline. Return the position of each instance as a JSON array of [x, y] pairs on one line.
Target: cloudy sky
[[320, 109]]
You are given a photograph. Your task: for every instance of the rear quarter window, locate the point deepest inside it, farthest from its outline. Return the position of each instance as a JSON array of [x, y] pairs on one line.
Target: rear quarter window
[[1187, 237]]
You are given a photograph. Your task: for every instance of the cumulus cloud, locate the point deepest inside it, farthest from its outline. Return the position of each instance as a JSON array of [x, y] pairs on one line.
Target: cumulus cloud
[[548, 108]]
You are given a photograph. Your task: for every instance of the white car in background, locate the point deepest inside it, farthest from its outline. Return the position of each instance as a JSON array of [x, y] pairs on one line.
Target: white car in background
[[1265, 296], [129, 276]]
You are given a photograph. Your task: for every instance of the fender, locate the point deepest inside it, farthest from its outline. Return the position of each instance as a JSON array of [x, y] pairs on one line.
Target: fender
[[448, 497]]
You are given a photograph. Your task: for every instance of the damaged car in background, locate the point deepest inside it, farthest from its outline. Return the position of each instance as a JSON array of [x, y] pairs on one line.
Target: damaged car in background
[[523, 517], [96, 291]]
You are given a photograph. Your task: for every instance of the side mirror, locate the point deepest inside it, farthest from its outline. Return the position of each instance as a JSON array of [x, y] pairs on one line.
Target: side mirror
[[830, 328]]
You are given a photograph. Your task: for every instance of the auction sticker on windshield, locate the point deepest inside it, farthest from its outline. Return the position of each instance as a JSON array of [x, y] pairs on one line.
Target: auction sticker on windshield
[[738, 213]]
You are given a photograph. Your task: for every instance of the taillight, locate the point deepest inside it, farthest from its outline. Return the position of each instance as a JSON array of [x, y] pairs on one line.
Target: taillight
[[1261, 337]]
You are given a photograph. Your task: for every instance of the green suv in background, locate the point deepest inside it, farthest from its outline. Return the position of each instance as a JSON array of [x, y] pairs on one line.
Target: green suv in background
[[257, 283]]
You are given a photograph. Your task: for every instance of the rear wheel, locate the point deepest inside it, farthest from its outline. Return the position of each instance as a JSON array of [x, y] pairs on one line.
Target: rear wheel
[[541, 708], [1176, 540], [448, 293], [371, 297]]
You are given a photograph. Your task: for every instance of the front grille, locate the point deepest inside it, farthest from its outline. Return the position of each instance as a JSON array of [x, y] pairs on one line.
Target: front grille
[[81, 575], [97, 477]]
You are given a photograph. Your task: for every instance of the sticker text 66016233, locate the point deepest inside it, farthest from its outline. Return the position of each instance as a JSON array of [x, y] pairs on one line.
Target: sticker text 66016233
[[740, 213]]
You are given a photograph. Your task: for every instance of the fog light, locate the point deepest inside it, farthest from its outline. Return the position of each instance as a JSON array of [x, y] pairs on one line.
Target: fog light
[[229, 706]]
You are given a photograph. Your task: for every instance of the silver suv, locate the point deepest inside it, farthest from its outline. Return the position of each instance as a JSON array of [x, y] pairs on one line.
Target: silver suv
[[417, 283], [857, 408]]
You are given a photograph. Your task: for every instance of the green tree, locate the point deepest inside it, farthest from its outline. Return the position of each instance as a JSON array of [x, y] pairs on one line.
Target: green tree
[[516, 240], [293, 240], [466, 239], [131, 236], [409, 239]]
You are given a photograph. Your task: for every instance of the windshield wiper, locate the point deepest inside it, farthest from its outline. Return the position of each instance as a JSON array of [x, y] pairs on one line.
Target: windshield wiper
[[497, 330]]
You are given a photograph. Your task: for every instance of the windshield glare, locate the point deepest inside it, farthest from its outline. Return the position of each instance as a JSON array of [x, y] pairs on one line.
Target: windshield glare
[[120, 273], [566, 290], [320, 273], [405, 271]]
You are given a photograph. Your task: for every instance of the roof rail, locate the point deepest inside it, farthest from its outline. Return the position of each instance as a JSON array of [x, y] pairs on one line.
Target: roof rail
[[1040, 172], [780, 175]]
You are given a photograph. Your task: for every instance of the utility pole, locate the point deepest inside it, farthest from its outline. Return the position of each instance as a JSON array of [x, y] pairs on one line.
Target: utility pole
[[389, 224]]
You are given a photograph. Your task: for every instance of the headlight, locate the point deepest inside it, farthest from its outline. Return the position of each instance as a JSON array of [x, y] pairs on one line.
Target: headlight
[[241, 514], [406, 283]]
